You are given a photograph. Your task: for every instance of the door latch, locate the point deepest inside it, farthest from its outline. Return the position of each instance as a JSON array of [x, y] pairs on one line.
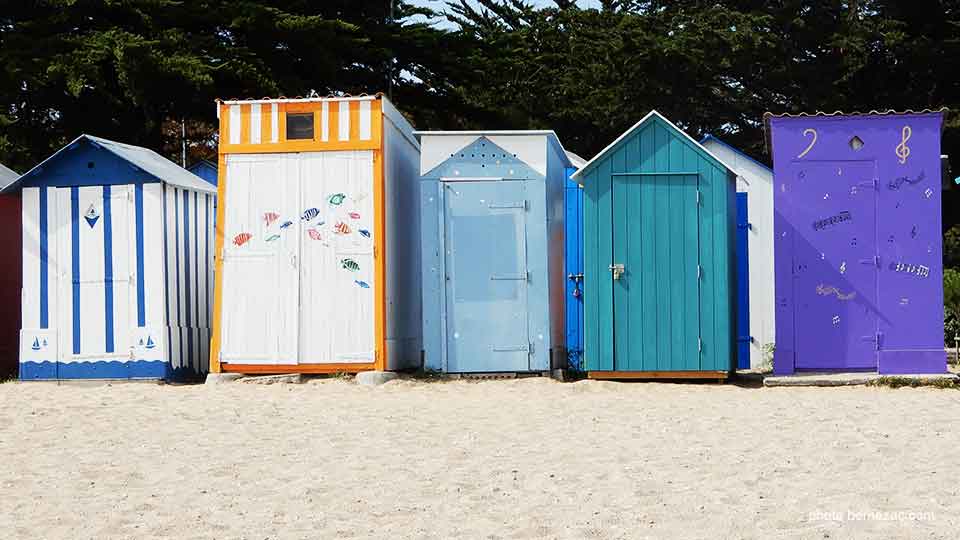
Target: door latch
[[617, 270], [576, 279]]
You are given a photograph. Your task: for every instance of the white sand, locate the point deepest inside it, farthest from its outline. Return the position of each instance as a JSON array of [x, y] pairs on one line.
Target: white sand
[[499, 459]]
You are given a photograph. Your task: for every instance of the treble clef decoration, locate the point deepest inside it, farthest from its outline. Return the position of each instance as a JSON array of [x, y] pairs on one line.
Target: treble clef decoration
[[903, 151]]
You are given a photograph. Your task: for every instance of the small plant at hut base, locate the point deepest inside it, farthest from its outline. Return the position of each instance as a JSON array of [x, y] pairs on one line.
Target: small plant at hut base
[[899, 382]]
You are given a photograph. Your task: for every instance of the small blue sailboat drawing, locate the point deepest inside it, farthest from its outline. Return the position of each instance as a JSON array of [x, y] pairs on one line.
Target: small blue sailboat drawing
[[150, 343], [36, 344]]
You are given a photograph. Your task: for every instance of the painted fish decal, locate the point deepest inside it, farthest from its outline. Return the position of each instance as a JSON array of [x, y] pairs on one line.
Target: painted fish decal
[[270, 217], [337, 199], [309, 214], [314, 234], [272, 237], [350, 264], [286, 224], [242, 239], [362, 284], [341, 228], [354, 215], [364, 233]]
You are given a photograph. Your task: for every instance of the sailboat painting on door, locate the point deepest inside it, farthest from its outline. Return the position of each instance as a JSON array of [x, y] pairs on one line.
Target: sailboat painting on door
[[321, 193]]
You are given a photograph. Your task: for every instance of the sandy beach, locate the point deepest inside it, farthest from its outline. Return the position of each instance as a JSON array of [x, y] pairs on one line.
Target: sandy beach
[[529, 458]]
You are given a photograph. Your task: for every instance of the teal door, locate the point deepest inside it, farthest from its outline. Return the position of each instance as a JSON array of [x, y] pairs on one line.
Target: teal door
[[486, 276], [656, 273]]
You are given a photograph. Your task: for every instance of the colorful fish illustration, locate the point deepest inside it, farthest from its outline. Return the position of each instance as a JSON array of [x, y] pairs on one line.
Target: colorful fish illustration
[[362, 284], [341, 228], [350, 264], [309, 214], [270, 217], [364, 233], [272, 237], [314, 234], [337, 199], [354, 215], [242, 239], [286, 224]]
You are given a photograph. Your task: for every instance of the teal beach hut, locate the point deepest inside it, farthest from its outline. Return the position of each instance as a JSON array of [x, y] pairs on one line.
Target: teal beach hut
[[659, 223]]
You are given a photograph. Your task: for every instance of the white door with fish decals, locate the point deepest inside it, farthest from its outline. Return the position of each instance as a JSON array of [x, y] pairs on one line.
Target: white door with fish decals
[[336, 246], [261, 260]]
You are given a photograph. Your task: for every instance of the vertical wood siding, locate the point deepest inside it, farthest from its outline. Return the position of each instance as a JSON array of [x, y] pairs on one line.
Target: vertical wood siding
[[645, 214]]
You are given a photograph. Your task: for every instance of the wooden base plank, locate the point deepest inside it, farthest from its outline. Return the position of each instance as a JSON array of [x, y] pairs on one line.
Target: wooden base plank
[[279, 369], [719, 375]]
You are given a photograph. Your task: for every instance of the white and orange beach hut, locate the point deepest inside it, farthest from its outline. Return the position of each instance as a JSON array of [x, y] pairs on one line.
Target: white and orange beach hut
[[317, 239]]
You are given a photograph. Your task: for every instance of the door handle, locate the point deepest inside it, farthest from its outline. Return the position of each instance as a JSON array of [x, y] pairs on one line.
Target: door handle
[[617, 270]]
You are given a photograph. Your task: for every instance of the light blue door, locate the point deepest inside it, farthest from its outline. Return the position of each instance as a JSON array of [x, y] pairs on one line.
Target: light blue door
[[486, 276]]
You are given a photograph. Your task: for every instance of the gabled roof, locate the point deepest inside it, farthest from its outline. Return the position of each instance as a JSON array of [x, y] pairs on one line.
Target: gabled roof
[[145, 159], [7, 176], [576, 160], [637, 126], [734, 149], [200, 162], [498, 136]]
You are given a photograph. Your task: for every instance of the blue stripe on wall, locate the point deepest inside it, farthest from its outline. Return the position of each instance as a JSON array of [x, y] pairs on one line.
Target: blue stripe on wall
[[75, 263], [44, 261], [196, 255], [206, 258], [107, 269], [141, 296], [186, 274]]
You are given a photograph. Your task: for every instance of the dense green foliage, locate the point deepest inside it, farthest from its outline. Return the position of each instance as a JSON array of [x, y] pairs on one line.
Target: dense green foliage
[[133, 69]]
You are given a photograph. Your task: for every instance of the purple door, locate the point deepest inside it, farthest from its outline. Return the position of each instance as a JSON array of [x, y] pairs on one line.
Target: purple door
[[835, 264]]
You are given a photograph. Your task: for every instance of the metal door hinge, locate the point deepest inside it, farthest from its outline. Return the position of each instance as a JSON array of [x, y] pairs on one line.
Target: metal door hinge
[[875, 338], [699, 271], [875, 261], [698, 197], [699, 345]]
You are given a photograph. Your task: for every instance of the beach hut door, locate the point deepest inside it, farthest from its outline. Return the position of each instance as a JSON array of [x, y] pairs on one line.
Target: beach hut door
[[836, 265], [655, 272], [337, 286], [486, 276], [260, 260], [96, 231]]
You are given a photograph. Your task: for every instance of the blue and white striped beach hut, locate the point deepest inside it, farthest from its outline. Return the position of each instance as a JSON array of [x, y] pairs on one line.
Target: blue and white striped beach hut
[[117, 265]]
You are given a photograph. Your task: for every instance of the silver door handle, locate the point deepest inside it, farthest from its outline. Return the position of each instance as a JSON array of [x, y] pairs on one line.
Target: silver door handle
[[293, 261], [617, 270]]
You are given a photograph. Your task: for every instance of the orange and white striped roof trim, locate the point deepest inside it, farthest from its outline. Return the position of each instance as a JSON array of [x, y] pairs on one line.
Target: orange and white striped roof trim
[[340, 123]]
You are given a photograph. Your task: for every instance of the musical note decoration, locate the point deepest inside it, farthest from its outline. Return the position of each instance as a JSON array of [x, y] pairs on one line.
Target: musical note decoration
[[903, 151]]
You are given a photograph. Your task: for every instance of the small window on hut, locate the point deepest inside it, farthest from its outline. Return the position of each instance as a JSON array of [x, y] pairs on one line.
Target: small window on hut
[[299, 126]]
